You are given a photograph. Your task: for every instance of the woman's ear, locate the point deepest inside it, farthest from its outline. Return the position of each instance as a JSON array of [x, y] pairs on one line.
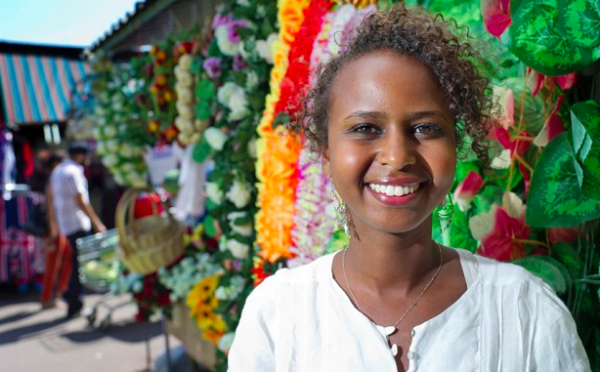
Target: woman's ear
[[325, 162]]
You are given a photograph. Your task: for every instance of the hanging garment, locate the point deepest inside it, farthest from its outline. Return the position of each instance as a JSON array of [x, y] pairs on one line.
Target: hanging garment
[[190, 199]]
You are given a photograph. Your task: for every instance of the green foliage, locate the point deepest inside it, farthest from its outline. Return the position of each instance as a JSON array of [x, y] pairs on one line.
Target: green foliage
[[550, 270], [535, 35], [585, 130], [555, 197]]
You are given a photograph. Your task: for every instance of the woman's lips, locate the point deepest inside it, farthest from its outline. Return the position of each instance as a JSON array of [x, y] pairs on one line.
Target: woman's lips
[[395, 195]]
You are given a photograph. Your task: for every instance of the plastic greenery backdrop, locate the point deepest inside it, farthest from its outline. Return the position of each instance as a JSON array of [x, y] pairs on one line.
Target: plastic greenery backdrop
[[229, 90]]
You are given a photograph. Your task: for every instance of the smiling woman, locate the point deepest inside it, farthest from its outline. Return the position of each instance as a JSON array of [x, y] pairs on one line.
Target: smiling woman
[[388, 116]]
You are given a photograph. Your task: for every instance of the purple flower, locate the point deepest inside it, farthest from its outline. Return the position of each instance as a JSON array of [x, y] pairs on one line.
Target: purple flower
[[232, 33], [239, 63], [221, 20], [212, 66]]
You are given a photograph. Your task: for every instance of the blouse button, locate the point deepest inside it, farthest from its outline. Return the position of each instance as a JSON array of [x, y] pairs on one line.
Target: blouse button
[[411, 355], [413, 333]]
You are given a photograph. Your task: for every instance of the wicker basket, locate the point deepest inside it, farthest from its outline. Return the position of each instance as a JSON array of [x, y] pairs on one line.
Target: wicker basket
[[148, 243]]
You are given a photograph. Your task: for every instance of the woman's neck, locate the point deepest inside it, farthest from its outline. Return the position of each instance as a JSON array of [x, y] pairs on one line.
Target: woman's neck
[[398, 263]]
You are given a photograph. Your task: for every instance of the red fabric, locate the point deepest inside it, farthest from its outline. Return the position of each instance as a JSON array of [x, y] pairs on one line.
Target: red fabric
[[58, 270], [29, 160], [143, 206]]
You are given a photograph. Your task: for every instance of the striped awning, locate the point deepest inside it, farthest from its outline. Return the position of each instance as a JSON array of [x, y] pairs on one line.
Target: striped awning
[[36, 88]]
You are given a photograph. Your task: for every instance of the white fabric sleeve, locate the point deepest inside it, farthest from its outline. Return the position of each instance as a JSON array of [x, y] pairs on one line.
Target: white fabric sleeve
[[253, 348], [556, 344], [74, 183]]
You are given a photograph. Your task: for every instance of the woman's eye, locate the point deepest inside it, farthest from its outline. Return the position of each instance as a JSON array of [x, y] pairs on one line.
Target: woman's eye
[[427, 129], [366, 129]]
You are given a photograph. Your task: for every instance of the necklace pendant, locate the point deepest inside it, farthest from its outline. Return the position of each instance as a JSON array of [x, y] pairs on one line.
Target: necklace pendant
[[394, 349], [389, 330]]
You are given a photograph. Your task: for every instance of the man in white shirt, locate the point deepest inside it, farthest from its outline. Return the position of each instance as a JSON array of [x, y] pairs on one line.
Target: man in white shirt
[[74, 214]]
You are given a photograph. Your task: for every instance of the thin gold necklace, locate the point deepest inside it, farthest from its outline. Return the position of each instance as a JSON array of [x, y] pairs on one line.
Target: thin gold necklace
[[389, 330]]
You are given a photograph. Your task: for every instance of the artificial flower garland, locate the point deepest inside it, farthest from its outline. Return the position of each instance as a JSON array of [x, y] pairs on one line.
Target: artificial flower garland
[[277, 149]]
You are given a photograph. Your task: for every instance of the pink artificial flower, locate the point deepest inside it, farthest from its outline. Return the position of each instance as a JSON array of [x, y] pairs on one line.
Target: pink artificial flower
[[502, 230], [563, 234], [537, 81], [467, 189], [553, 126], [496, 16]]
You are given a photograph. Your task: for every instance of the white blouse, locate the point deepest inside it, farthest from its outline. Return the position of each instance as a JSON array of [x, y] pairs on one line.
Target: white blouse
[[508, 320]]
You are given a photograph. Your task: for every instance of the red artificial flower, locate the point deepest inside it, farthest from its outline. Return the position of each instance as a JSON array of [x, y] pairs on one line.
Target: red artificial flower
[[537, 81], [496, 16], [502, 231], [563, 234], [467, 189], [553, 126]]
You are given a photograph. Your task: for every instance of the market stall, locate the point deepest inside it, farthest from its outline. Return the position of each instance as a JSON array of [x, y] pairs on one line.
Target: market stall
[[216, 103]]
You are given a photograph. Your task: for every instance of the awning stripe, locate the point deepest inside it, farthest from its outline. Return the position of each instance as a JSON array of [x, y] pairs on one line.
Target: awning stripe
[[52, 83], [44, 88], [28, 91], [35, 95], [37, 89], [6, 86], [60, 82]]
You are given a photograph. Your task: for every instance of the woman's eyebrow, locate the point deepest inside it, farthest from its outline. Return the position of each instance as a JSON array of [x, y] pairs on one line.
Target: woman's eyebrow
[[375, 115]]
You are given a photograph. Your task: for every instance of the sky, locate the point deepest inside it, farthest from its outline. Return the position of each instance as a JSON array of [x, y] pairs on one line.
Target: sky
[[60, 22]]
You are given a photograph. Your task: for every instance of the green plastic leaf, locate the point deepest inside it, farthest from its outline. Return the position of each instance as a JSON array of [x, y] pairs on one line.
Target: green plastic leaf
[[205, 90], [585, 131], [534, 38], [458, 233], [569, 257], [555, 198], [201, 150], [482, 203], [548, 269], [202, 110], [579, 21], [210, 226]]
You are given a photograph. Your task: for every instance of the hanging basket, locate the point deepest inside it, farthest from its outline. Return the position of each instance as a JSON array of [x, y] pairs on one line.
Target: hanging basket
[[148, 243]]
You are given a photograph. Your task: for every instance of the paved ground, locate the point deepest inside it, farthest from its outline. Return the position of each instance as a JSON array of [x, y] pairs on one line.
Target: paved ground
[[32, 340]]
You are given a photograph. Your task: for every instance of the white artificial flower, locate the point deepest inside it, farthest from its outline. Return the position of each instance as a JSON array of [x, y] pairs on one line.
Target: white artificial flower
[[185, 62], [184, 124], [99, 111], [185, 79], [265, 47], [110, 160], [137, 180], [177, 71], [214, 192], [226, 91], [251, 81], [185, 111], [243, 2], [238, 105], [252, 149], [126, 151], [128, 168], [239, 194], [109, 131], [184, 96], [101, 148], [200, 125], [183, 138], [225, 46], [112, 145], [225, 342], [119, 179], [245, 229], [215, 138], [194, 138], [237, 249]]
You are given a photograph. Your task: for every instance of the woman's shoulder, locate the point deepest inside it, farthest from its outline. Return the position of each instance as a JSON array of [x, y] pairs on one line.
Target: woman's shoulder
[[529, 290], [285, 279]]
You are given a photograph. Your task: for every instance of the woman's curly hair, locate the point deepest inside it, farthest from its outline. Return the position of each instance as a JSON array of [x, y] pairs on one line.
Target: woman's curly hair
[[430, 40]]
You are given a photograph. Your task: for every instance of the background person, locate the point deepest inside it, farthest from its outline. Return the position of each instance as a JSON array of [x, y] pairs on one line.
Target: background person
[[73, 212]]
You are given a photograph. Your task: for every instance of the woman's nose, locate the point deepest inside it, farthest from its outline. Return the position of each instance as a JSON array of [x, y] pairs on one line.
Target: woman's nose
[[397, 150]]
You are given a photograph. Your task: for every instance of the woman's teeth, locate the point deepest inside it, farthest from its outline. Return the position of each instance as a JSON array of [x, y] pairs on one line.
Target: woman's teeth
[[394, 190]]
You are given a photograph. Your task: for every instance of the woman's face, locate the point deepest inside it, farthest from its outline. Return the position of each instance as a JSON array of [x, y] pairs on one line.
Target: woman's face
[[392, 148]]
